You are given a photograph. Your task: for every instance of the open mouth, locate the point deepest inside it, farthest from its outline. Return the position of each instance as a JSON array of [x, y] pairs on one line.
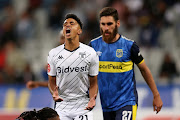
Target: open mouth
[[68, 31], [107, 33]]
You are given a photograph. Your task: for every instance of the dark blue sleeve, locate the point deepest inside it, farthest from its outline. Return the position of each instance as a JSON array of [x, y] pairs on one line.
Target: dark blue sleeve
[[136, 57], [90, 44]]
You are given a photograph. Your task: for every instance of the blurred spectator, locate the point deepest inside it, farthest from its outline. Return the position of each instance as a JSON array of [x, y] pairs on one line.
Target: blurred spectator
[[34, 4], [14, 65], [2, 57], [150, 27], [15, 57], [25, 26], [9, 76], [7, 24], [44, 73], [121, 8], [2, 61], [55, 15], [168, 69], [61, 38], [92, 25], [4, 3], [28, 74], [173, 17], [149, 35]]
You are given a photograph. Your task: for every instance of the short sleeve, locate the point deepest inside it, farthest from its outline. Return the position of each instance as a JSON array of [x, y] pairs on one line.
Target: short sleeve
[[136, 56], [51, 70], [94, 65]]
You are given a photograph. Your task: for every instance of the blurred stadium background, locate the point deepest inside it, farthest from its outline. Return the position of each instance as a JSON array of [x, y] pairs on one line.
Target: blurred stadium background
[[30, 28]]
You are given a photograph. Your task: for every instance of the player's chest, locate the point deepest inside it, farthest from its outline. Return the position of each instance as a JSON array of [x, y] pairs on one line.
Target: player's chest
[[113, 53], [72, 59]]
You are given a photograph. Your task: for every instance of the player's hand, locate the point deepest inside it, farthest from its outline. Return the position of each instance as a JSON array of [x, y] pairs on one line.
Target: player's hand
[[31, 84], [91, 103], [55, 95], [157, 103]]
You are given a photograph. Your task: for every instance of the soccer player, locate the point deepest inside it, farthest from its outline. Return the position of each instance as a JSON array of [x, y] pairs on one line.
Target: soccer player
[[43, 114], [73, 69], [116, 80]]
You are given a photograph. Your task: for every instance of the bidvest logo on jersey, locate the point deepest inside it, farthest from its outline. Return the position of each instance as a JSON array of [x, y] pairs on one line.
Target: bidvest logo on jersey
[[71, 69]]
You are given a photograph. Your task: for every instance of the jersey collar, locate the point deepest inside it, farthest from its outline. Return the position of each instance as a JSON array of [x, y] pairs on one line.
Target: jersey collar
[[72, 50]]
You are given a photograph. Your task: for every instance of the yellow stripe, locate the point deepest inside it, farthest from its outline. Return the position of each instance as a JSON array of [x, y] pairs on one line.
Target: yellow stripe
[[23, 99], [141, 61], [115, 67], [10, 99], [134, 112]]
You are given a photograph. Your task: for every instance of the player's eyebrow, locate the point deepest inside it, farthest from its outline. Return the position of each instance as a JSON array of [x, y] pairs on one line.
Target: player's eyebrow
[[109, 23], [71, 22]]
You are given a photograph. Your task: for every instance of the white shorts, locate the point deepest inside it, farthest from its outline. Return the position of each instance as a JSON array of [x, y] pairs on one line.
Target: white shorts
[[76, 115], [75, 110]]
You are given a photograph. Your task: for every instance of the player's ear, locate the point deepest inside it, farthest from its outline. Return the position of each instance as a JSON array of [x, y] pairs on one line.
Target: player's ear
[[118, 23], [79, 31]]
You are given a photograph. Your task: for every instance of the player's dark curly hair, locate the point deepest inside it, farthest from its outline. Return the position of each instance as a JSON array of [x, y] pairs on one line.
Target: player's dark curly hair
[[109, 11], [43, 114], [73, 16]]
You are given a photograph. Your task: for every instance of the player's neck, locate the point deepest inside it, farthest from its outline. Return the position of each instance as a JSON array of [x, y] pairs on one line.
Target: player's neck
[[72, 44], [115, 38]]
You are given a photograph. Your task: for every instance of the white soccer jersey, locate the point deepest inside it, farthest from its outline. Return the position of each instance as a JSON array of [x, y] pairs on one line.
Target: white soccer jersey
[[71, 69]]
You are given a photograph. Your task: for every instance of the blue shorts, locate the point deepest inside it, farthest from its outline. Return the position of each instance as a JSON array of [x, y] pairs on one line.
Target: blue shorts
[[125, 113]]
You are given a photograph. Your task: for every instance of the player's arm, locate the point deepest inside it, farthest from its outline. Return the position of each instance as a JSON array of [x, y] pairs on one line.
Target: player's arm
[[157, 102], [146, 73], [51, 70], [51, 83], [53, 88], [93, 72], [93, 90], [34, 84]]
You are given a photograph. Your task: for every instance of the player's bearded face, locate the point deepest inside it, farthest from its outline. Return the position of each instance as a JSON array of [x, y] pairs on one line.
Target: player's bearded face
[[111, 35]]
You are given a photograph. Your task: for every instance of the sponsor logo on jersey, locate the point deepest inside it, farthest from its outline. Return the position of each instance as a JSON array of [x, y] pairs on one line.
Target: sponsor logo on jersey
[[48, 68], [109, 66], [99, 53], [82, 54], [119, 53], [60, 57], [115, 67], [71, 69]]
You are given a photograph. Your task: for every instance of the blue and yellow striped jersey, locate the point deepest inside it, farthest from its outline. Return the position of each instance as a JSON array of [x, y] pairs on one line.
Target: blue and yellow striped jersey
[[116, 80]]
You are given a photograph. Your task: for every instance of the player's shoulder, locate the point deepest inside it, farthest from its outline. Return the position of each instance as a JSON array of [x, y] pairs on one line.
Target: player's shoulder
[[55, 50], [87, 48], [127, 39], [96, 39]]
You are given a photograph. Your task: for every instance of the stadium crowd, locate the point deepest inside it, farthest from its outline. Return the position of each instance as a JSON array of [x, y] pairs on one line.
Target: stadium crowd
[[29, 29]]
